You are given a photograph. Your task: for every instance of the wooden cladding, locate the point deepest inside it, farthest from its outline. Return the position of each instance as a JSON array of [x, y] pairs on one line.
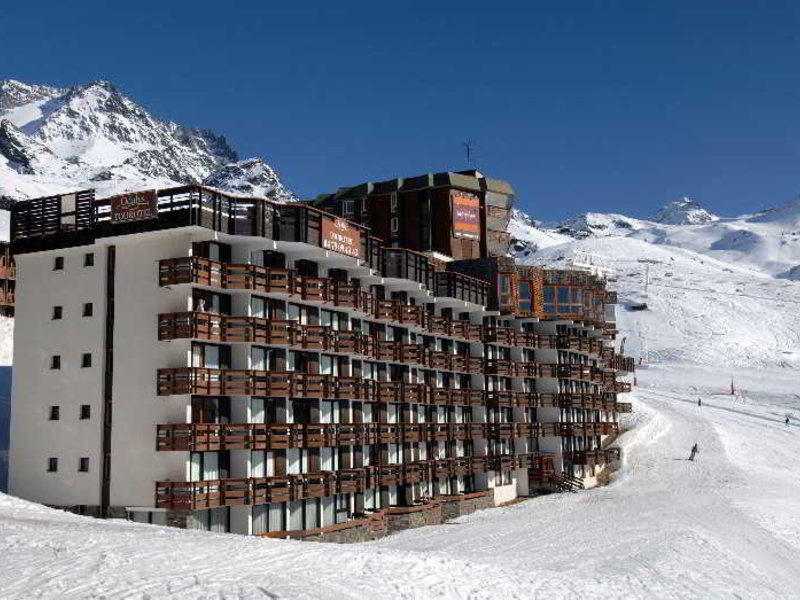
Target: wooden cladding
[[196, 495], [205, 437], [202, 271]]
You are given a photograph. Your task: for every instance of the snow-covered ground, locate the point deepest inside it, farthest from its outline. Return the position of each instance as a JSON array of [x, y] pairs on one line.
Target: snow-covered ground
[[724, 526]]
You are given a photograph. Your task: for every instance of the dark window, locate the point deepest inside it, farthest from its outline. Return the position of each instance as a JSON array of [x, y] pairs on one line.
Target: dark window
[[86, 360], [55, 361], [525, 299], [88, 259], [83, 464], [55, 413], [52, 464], [88, 309], [58, 312], [86, 411], [58, 263]]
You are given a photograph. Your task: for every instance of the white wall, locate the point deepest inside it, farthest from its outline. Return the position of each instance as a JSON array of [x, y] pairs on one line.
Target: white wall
[[36, 387]]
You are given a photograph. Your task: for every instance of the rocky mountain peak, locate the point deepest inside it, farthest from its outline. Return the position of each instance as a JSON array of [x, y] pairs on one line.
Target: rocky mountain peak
[[251, 177], [683, 211], [16, 93], [93, 135]]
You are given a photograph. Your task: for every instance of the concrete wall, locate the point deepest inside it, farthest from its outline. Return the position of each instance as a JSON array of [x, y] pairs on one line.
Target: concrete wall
[[36, 386], [5, 424]]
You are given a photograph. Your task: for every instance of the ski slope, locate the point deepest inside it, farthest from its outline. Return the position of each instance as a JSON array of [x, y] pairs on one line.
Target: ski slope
[[726, 525]]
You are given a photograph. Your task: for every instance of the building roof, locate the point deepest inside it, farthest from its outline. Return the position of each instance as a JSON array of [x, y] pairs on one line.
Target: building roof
[[466, 180]]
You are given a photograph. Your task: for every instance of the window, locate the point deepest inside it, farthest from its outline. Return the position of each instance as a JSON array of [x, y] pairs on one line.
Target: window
[[55, 361], [52, 464], [86, 360], [58, 312], [348, 209], [504, 291], [86, 412], [55, 413], [88, 309], [88, 259], [58, 263], [525, 298], [83, 464]]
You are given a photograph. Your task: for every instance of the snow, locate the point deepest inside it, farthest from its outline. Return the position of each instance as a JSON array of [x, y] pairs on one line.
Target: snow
[[684, 211], [766, 242], [726, 525], [722, 304], [93, 136]]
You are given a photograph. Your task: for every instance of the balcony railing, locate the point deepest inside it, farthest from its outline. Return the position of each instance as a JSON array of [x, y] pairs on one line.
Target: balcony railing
[[232, 382], [462, 287], [592, 457], [196, 495], [207, 437], [400, 263]]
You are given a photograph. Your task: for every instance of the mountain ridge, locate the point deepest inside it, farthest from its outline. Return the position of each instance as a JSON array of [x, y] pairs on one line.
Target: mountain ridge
[[94, 136]]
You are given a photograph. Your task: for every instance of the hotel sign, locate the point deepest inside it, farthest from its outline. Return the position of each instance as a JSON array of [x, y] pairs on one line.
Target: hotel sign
[[466, 215], [341, 236], [137, 206]]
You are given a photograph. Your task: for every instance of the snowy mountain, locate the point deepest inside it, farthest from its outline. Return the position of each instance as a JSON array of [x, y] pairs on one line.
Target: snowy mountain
[[93, 136], [767, 242], [683, 212]]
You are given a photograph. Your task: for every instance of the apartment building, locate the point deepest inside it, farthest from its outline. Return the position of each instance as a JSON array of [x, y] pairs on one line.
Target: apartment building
[[192, 358], [460, 215]]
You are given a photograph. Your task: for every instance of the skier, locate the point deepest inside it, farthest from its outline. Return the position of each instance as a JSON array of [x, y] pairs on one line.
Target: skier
[[699, 402], [695, 450], [787, 420]]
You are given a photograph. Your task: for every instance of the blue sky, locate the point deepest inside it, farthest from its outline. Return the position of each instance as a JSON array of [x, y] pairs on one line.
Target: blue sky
[[604, 106]]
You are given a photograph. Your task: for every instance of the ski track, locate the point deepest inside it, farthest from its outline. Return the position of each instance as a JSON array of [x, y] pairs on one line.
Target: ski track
[[664, 528]]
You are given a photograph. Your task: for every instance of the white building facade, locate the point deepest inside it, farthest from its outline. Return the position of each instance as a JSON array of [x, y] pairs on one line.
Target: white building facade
[[200, 360]]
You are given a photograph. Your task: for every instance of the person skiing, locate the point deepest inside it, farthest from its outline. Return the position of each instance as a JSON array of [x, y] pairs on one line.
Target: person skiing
[[787, 420], [699, 402], [694, 452]]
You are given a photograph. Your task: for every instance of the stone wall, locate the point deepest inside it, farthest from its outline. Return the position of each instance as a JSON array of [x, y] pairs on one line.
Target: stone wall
[[456, 506], [411, 517]]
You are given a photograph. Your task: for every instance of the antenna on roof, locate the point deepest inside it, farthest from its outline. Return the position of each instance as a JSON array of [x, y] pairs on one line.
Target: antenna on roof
[[468, 146]]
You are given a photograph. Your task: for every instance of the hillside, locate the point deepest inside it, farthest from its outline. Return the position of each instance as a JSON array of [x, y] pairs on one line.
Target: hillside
[[725, 526], [766, 242], [93, 136]]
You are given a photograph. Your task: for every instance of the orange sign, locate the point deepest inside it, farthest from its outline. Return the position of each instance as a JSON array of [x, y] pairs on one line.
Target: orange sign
[[134, 207], [466, 215], [341, 236]]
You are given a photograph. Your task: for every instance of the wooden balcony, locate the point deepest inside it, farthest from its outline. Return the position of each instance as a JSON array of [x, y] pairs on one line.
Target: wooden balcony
[[591, 458], [7, 297], [495, 334], [206, 272], [588, 429], [462, 287], [466, 330], [400, 263], [197, 495], [233, 382], [495, 366], [620, 387], [410, 314], [624, 407]]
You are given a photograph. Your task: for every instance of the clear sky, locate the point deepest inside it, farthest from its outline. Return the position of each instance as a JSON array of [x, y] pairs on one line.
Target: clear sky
[[605, 106]]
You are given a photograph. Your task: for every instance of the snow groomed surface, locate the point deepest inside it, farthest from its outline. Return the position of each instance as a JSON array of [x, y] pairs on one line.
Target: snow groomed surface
[[724, 526]]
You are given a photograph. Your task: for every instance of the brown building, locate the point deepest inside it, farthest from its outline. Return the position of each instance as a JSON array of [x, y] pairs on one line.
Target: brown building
[[464, 215], [8, 276]]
